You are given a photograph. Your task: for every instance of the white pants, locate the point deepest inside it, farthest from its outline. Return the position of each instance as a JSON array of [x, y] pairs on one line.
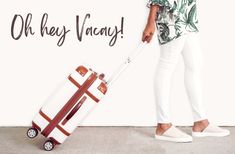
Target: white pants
[[189, 47]]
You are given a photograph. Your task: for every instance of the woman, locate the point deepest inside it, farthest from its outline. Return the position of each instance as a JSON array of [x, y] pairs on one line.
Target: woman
[[177, 32]]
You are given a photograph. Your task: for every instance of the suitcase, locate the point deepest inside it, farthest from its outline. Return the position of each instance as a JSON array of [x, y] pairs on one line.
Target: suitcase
[[73, 101]]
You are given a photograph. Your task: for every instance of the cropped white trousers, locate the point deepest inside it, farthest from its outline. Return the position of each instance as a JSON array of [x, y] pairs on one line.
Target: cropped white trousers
[[189, 47]]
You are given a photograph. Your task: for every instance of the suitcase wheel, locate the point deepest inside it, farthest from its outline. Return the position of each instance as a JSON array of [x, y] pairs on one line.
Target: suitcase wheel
[[48, 145], [32, 132]]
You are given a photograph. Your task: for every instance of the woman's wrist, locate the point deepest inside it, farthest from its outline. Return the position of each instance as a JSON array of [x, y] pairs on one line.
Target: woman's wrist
[[152, 13], [150, 22]]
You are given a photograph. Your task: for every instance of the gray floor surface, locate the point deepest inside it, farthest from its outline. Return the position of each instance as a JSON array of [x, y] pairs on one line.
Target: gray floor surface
[[114, 140]]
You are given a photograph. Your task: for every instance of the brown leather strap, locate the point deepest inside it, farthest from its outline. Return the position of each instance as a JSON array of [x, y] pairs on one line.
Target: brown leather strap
[[74, 110], [69, 105], [57, 126], [87, 92], [74, 82], [36, 126]]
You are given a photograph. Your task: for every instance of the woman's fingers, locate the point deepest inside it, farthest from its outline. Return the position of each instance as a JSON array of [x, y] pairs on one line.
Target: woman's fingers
[[147, 37], [144, 36]]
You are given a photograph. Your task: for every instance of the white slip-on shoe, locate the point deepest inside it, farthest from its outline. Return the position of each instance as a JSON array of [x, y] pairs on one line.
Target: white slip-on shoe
[[173, 134], [212, 130]]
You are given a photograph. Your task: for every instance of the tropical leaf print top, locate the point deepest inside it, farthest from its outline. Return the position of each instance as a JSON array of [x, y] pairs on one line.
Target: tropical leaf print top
[[175, 18]]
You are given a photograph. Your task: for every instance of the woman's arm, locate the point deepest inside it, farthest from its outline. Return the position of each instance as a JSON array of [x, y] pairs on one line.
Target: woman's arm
[[150, 26]]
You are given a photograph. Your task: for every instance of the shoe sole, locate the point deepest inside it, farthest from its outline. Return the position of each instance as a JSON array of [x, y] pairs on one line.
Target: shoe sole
[[199, 134], [171, 139]]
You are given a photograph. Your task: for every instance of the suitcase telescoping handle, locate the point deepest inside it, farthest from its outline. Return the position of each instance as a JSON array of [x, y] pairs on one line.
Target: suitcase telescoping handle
[[133, 54]]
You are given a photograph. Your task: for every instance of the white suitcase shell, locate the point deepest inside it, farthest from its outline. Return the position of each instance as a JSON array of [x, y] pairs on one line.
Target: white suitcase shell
[[91, 97], [55, 103]]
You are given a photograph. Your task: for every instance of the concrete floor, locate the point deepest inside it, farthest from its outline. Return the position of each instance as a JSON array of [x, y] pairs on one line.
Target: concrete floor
[[114, 140]]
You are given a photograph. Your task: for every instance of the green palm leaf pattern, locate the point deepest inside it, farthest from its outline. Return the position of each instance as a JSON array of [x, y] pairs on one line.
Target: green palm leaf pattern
[[164, 30], [190, 2], [175, 18], [174, 7], [190, 20], [160, 2], [183, 6]]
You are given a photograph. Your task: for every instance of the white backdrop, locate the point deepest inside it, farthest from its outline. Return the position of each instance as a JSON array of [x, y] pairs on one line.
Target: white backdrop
[[33, 66]]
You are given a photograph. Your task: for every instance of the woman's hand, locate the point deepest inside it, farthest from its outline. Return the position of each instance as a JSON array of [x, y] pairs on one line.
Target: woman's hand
[[150, 26], [148, 32]]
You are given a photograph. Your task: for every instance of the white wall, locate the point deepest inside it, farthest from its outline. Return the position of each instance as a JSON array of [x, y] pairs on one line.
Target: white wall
[[32, 67]]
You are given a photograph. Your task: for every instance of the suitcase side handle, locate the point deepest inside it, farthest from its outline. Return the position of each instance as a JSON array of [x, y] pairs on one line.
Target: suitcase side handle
[[74, 110], [133, 54]]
